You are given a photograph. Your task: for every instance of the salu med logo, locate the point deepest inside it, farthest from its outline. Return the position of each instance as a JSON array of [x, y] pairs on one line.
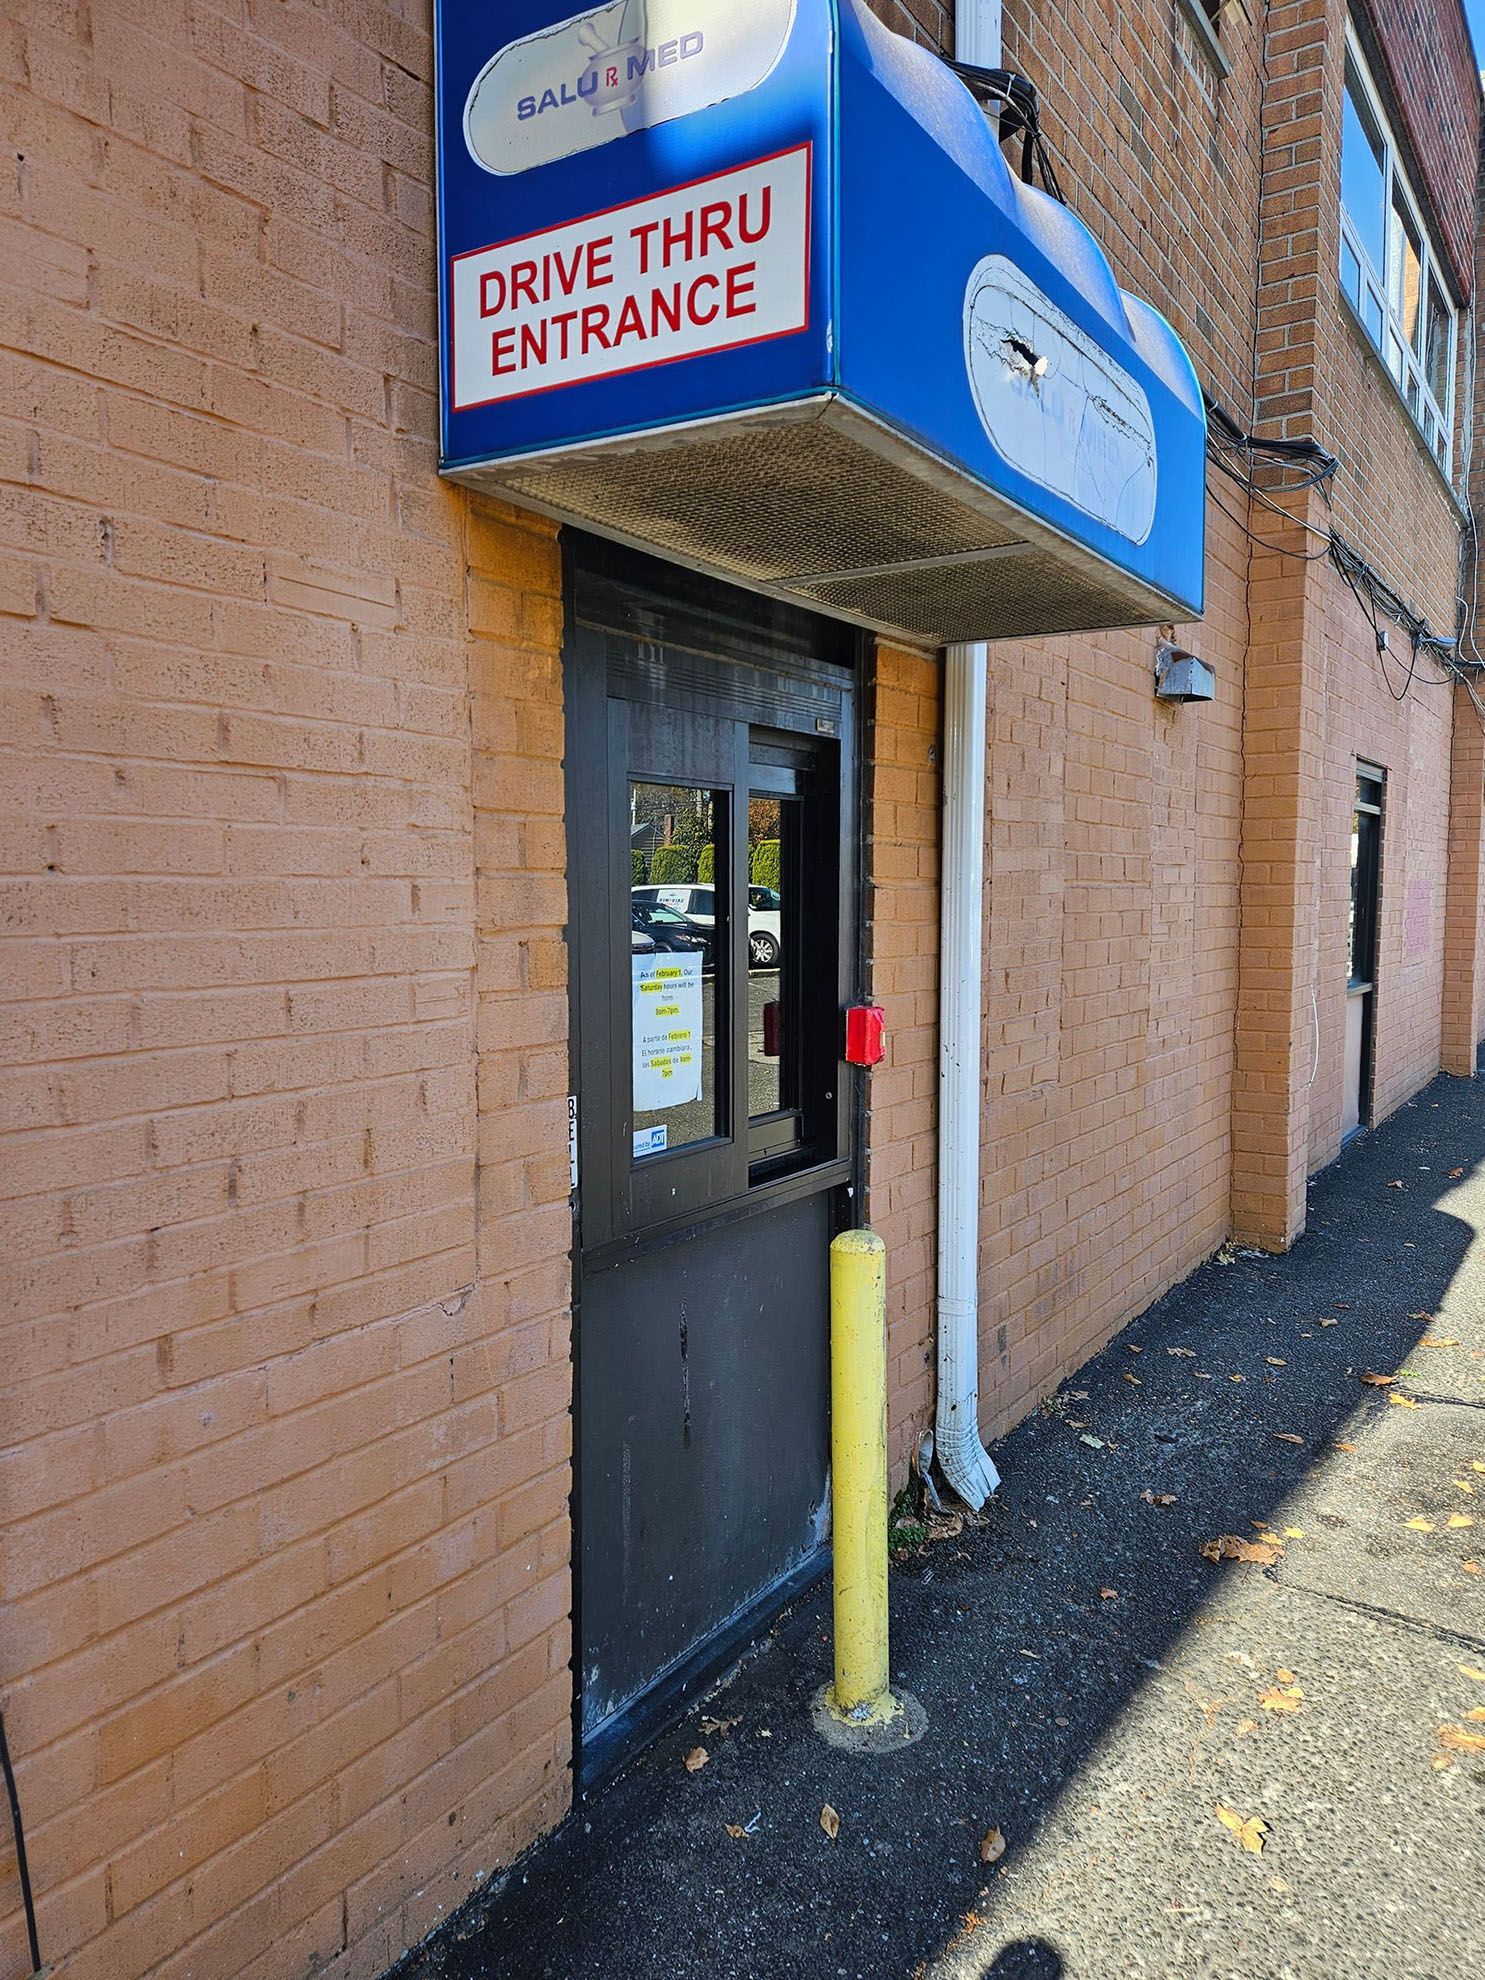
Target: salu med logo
[[613, 78], [621, 67]]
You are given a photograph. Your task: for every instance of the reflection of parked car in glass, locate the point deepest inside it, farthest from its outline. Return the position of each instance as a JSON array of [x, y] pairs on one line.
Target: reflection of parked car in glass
[[699, 904], [673, 932], [641, 944]]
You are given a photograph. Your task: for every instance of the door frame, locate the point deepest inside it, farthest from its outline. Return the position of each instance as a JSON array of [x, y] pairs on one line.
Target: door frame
[[701, 609]]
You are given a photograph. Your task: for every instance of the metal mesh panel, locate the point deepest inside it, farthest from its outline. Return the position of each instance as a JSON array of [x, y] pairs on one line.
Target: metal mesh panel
[[772, 503], [838, 513], [999, 598]]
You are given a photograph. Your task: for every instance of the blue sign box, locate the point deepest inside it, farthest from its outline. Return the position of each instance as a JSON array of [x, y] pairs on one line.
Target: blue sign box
[[753, 286]]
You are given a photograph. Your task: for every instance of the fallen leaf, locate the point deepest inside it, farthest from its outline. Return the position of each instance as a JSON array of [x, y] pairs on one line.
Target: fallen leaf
[[1229, 1547], [1456, 1520], [1463, 1485], [1328, 1321], [1441, 1761], [1234, 1378], [1280, 1885], [1397, 1185], [1250, 1830], [1420, 1316], [1477, 1464], [1438, 1340], [1476, 1712], [1285, 1696], [696, 1759], [1342, 1447], [1419, 1525], [1274, 1361], [1469, 1567], [1182, 1354], [1108, 1594], [1130, 1347], [1133, 1378], [992, 1846], [1150, 1498], [1093, 1443], [1294, 1533], [1247, 1725], [830, 1821], [734, 1829], [1377, 1381], [1285, 1677], [1288, 1437], [1454, 1174], [722, 1726], [1459, 1741], [1473, 1672], [1400, 1401]]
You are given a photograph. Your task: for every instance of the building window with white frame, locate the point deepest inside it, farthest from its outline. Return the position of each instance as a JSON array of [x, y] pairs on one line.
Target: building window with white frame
[[1389, 270]]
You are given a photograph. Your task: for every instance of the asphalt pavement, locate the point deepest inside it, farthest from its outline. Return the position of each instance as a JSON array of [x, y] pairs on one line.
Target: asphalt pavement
[[1097, 1690]]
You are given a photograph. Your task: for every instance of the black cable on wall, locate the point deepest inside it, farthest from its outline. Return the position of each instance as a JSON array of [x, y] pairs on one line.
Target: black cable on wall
[[20, 1848]]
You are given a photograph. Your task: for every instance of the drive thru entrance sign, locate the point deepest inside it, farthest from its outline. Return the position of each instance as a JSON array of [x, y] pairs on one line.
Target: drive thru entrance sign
[[703, 267]]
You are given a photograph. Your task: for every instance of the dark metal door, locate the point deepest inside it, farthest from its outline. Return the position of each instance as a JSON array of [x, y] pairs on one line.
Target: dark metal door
[[711, 793]]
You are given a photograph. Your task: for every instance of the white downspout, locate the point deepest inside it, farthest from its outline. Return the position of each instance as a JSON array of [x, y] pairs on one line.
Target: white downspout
[[962, 1457]]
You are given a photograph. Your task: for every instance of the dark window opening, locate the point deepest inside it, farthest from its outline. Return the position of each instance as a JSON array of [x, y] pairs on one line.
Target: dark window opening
[[1366, 873]]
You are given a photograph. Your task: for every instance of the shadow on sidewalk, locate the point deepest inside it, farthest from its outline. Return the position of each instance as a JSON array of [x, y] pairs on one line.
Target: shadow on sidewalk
[[1024, 1663]]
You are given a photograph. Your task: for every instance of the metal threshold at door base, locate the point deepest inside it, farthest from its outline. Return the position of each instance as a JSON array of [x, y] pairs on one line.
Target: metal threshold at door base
[[619, 1738]]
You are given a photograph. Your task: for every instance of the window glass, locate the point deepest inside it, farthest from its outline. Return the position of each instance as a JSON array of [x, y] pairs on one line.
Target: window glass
[[1362, 155], [1440, 345], [1405, 269], [674, 836], [770, 1050], [1350, 272]]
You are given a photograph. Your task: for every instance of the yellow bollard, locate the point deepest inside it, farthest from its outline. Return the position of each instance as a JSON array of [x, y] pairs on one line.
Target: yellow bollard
[[858, 1398]]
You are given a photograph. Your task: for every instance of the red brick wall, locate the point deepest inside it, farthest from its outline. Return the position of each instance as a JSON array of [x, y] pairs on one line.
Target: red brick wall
[[1464, 948], [285, 1423], [1431, 78]]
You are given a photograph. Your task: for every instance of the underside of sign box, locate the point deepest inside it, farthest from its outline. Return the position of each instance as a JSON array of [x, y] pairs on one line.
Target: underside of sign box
[[820, 504]]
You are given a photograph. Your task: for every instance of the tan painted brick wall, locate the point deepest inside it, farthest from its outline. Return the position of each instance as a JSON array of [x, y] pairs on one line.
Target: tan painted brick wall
[[285, 1657], [1411, 739], [903, 795], [1110, 985]]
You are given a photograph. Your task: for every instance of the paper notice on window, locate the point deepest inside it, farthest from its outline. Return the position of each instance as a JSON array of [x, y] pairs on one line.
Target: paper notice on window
[[667, 1031]]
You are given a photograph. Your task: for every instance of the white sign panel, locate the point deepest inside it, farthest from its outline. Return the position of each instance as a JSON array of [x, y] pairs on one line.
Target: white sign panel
[[667, 1031], [1056, 406], [623, 67], [703, 267]]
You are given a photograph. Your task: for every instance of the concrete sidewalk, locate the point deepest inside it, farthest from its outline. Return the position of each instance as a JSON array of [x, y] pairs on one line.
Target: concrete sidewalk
[[1093, 1684]]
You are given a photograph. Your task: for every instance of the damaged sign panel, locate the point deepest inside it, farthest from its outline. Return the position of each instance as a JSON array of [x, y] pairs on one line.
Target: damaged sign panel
[[755, 289]]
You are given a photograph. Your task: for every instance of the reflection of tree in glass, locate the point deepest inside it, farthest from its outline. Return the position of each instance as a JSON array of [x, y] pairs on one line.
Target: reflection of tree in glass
[[670, 825], [765, 816], [763, 819]]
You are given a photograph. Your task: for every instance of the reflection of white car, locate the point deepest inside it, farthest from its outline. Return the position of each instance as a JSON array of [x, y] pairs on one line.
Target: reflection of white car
[[699, 904]]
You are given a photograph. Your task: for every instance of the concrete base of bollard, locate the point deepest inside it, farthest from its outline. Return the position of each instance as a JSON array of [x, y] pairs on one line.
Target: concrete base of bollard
[[895, 1720]]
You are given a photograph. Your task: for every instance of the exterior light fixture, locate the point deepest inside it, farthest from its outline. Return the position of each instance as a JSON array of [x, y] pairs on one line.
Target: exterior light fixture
[[1181, 676]]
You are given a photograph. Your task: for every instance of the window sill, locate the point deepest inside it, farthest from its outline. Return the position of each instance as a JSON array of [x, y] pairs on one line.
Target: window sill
[[1369, 350], [1206, 36]]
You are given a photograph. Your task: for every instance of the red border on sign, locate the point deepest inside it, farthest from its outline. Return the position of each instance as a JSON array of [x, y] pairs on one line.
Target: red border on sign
[[623, 206]]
